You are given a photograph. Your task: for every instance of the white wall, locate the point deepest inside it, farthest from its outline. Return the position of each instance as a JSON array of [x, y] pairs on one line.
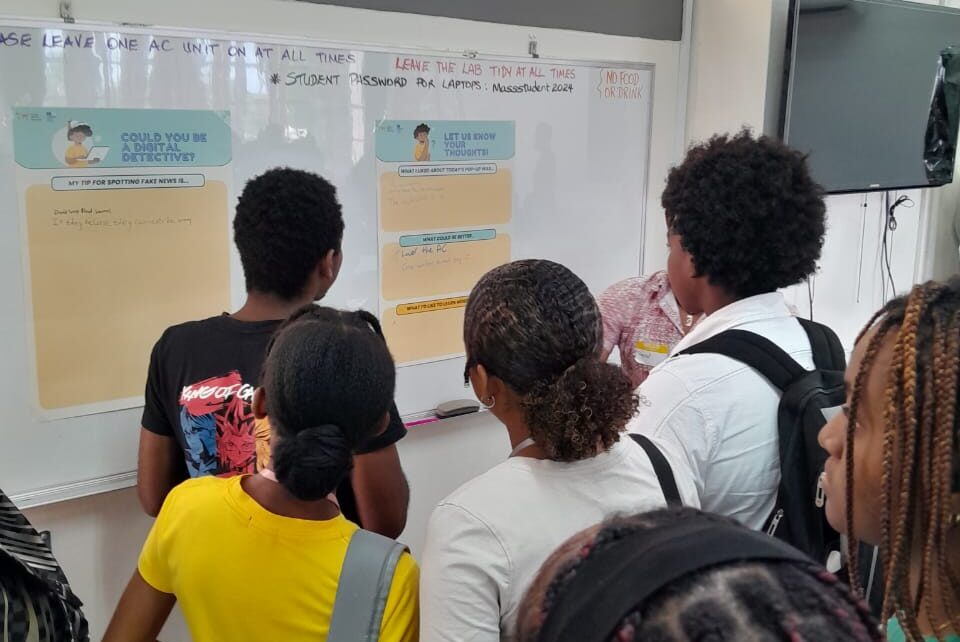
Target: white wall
[[728, 66], [941, 258], [97, 539], [849, 288]]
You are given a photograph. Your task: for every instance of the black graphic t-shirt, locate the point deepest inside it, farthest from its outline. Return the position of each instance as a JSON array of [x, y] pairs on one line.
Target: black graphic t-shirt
[[200, 389]]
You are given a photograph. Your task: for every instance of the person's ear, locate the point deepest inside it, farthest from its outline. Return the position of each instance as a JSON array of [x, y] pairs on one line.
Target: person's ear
[[329, 266], [675, 244], [259, 405], [495, 387], [487, 387], [479, 380], [325, 273], [691, 268], [382, 428]]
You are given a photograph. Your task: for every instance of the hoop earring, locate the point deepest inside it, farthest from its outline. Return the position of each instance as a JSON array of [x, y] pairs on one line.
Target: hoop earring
[[491, 404]]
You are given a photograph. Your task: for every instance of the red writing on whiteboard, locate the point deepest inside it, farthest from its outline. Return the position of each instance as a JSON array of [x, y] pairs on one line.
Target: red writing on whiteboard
[[411, 64], [620, 84]]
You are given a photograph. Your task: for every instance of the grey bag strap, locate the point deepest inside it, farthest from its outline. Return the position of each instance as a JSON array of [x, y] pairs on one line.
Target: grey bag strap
[[365, 581]]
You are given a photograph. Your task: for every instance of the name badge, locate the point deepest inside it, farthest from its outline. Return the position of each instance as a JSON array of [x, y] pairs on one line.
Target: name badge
[[650, 354]]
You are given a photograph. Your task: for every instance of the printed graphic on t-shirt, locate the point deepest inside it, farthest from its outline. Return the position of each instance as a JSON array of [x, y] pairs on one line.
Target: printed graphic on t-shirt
[[220, 433]]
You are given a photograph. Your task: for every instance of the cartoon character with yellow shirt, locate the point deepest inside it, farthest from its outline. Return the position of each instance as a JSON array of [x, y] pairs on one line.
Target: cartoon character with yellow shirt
[[421, 151], [76, 155]]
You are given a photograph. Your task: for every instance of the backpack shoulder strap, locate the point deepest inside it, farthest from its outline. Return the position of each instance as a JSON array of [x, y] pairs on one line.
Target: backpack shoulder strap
[[668, 484], [365, 581], [828, 353], [752, 350]]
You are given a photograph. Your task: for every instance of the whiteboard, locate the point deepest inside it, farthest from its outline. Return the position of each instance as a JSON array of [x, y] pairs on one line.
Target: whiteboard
[[580, 181]]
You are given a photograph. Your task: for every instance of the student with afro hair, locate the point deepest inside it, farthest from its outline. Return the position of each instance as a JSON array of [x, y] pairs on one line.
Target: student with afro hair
[[198, 418], [744, 219]]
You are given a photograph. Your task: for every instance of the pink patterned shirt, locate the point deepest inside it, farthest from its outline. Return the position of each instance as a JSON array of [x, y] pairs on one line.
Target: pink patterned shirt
[[642, 319]]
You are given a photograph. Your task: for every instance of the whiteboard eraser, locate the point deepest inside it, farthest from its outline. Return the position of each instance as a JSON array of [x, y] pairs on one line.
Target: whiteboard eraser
[[456, 408]]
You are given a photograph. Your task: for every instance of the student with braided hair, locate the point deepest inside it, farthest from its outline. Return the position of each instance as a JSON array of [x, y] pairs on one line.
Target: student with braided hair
[[893, 476], [679, 575], [533, 338]]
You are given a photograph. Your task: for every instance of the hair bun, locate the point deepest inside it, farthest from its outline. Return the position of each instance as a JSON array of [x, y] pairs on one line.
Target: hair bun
[[318, 432], [312, 463]]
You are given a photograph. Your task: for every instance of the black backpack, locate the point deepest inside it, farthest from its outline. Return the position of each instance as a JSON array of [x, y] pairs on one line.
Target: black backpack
[[798, 516]]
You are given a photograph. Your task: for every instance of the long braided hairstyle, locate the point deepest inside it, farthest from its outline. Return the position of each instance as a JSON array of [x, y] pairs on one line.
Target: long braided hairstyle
[[751, 600], [921, 466]]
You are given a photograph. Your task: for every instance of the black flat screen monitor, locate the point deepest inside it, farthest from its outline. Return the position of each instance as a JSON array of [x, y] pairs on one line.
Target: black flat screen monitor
[[859, 79]]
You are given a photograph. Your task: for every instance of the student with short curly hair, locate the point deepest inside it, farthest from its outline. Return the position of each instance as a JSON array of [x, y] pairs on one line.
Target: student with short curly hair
[[744, 219], [679, 575], [198, 418], [533, 337]]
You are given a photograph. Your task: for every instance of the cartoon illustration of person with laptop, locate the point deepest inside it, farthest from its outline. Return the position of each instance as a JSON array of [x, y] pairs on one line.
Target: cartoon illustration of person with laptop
[[77, 154]]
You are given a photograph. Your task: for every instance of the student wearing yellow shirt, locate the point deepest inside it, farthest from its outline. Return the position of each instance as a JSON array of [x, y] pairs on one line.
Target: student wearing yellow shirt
[[421, 150], [259, 557]]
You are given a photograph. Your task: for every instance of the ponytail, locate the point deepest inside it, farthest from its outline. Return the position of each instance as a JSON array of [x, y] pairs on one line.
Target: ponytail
[[329, 382], [580, 413]]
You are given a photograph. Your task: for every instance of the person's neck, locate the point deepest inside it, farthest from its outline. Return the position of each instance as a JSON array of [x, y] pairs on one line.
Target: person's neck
[[273, 497], [262, 306], [518, 432], [940, 625], [714, 299]]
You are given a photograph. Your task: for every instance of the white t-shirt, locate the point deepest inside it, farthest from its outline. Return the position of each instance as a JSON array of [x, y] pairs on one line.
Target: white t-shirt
[[487, 540], [722, 414]]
